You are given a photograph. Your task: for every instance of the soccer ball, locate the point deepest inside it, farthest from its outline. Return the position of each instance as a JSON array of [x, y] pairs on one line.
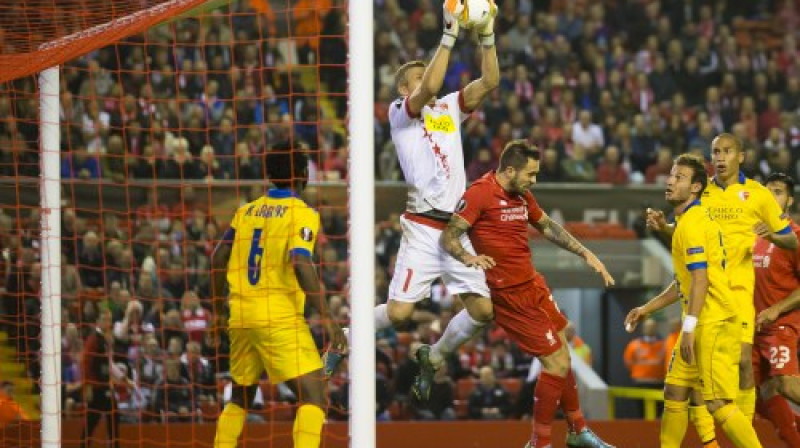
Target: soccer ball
[[476, 13]]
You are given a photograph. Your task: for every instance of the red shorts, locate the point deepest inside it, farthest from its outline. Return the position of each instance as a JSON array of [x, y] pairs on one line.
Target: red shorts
[[530, 316], [775, 353]]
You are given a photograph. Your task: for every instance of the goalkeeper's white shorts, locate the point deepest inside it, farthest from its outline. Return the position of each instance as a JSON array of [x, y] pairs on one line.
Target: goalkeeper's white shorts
[[421, 259]]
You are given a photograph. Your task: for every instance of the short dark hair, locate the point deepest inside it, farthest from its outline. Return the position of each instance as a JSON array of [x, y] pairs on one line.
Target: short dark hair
[[782, 177], [516, 154], [698, 166], [400, 75], [736, 142], [285, 167]]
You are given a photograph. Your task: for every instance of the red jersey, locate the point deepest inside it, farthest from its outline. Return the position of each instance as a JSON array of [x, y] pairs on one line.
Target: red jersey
[[777, 275], [499, 223]]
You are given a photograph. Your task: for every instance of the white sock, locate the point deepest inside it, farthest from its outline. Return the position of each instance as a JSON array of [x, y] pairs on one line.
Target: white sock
[[382, 320], [462, 328]]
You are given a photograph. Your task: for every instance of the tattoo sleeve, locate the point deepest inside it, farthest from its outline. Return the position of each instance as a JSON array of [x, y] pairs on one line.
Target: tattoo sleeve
[[560, 237], [451, 237]]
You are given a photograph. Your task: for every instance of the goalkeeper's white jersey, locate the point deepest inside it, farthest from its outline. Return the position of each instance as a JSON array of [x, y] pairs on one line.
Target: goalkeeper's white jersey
[[430, 152]]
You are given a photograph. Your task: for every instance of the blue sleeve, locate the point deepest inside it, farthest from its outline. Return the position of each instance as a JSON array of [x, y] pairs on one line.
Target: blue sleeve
[[229, 235], [785, 231]]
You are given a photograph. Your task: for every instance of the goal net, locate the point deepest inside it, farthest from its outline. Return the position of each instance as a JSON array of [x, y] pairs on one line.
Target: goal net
[[167, 109]]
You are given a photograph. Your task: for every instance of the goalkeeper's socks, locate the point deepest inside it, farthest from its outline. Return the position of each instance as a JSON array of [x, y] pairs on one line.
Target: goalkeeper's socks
[[737, 427], [781, 415], [746, 402], [571, 405], [548, 392], [462, 328], [308, 426], [704, 423], [674, 422], [229, 426], [382, 320]]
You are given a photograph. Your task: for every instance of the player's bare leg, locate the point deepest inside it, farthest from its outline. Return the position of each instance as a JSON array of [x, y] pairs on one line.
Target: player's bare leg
[[777, 409], [310, 391], [746, 400], [675, 419], [579, 435], [736, 426], [477, 313]]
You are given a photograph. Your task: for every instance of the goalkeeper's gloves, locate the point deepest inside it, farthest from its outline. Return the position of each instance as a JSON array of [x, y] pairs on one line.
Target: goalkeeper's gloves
[[452, 9], [486, 32]]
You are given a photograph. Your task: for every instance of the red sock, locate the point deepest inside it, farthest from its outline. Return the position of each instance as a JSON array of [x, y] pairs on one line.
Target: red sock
[[781, 415], [571, 405], [546, 398]]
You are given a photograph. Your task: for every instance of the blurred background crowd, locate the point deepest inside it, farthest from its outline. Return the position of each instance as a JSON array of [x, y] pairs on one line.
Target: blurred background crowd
[[610, 91]]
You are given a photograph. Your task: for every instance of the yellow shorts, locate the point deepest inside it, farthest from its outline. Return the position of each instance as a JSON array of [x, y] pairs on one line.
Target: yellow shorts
[[285, 353], [747, 312], [716, 369]]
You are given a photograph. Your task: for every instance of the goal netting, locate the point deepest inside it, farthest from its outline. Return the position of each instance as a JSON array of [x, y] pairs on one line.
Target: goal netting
[[167, 109]]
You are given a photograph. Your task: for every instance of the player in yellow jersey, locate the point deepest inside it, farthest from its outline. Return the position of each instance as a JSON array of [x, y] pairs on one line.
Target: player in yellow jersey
[[264, 258], [706, 355], [744, 209]]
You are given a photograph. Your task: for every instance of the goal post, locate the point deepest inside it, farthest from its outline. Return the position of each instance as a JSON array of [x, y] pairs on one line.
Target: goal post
[[50, 230]]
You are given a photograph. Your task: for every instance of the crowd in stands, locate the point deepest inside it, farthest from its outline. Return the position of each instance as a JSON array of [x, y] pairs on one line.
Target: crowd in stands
[[610, 91]]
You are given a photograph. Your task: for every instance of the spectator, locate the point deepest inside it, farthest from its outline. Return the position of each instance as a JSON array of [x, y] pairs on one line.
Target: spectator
[[174, 395], [659, 171], [100, 374], [10, 410], [481, 165], [489, 401], [644, 357], [196, 319], [199, 373], [79, 164], [501, 360], [587, 134], [129, 332], [611, 169], [577, 168], [550, 169]]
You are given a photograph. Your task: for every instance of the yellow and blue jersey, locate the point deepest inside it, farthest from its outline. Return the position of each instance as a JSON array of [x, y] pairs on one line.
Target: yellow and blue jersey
[[738, 208], [698, 244], [261, 279]]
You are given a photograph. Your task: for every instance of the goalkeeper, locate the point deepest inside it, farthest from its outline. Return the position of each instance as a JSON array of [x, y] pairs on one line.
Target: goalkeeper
[[426, 132]]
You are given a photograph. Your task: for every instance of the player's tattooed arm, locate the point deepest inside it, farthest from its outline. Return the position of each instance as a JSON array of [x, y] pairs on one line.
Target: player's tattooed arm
[[451, 238], [451, 241], [559, 236], [563, 239]]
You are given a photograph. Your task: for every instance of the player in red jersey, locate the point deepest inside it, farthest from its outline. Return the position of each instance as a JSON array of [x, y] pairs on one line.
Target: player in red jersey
[[496, 211], [777, 299]]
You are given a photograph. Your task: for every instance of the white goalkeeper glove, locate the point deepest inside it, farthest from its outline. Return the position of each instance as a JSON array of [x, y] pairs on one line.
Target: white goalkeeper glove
[[452, 9], [486, 32]]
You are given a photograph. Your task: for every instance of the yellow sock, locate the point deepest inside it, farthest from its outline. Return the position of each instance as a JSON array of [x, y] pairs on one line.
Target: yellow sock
[[308, 426], [229, 426], [738, 428], [746, 402], [674, 422], [704, 423]]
